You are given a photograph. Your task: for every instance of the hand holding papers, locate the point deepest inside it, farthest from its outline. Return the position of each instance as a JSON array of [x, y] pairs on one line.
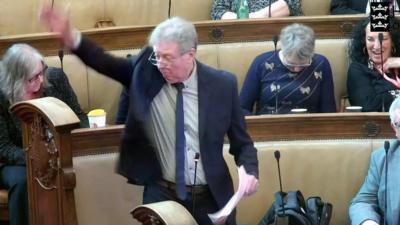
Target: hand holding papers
[[247, 185]]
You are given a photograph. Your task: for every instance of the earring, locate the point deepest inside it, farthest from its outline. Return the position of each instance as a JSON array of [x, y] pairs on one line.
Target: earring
[[393, 50], [365, 50]]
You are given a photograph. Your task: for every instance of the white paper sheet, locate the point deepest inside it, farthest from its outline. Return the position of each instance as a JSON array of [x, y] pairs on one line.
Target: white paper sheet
[[220, 217]]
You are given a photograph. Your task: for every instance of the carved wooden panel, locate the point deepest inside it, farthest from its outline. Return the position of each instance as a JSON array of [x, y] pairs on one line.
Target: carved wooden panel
[[42, 155]]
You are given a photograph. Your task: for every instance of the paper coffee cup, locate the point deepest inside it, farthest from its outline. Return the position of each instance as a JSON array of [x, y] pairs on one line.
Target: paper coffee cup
[[298, 111], [353, 108], [97, 118]]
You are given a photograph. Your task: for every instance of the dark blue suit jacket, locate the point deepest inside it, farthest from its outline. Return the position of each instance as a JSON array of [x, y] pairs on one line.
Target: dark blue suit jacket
[[219, 114]]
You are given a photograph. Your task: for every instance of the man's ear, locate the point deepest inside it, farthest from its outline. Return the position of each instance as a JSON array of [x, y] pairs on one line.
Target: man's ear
[[395, 130], [192, 52]]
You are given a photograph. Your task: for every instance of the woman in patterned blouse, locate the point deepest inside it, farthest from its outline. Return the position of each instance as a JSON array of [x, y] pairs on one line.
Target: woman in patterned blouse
[[25, 76], [290, 78], [226, 9]]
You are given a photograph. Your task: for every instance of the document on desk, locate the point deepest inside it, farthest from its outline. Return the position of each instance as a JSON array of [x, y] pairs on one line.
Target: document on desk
[[221, 216]]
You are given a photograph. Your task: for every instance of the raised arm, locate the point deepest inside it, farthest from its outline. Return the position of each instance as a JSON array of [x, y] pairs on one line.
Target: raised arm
[[91, 54]]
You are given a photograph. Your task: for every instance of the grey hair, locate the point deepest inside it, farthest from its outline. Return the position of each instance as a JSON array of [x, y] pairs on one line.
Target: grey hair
[[177, 30], [298, 40], [392, 110], [16, 66]]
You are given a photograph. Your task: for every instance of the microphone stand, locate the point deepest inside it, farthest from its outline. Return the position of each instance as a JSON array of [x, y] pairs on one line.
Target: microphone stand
[[61, 56], [196, 160], [169, 9], [269, 9], [277, 155], [380, 38], [277, 86], [386, 146]]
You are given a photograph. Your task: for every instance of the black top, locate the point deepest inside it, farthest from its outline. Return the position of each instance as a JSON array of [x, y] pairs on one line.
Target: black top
[[11, 134], [349, 6], [368, 89]]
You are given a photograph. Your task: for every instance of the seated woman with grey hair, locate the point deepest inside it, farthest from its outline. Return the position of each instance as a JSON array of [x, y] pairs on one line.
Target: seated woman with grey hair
[[289, 78], [25, 76]]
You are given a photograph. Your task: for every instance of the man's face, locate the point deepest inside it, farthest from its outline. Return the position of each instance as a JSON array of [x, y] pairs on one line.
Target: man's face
[[174, 65]]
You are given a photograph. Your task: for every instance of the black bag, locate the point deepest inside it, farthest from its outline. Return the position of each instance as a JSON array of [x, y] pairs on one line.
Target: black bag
[[297, 211]]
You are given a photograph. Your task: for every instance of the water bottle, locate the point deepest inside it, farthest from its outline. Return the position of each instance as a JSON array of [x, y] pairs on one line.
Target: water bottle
[[243, 10]]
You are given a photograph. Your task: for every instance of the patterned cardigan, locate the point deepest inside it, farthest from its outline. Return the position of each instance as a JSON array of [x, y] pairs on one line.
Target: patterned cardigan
[[219, 7], [11, 152]]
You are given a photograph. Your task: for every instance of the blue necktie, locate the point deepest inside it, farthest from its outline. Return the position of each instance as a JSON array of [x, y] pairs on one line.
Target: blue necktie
[[180, 145]]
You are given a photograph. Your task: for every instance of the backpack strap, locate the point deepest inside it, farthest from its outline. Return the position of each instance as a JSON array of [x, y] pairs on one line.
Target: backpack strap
[[326, 213], [313, 206], [318, 211]]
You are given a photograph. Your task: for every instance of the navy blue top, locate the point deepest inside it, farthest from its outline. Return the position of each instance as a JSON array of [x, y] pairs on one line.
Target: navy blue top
[[312, 88]]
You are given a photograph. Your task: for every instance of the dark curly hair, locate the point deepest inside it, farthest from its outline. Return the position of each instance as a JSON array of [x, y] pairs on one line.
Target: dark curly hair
[[357, 42]]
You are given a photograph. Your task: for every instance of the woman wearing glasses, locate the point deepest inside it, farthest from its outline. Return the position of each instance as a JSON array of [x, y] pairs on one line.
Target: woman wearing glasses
[[25, 76], [292, 77], [367, 86]]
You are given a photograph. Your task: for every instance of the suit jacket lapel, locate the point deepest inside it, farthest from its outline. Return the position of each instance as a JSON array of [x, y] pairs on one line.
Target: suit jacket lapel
[[146, 82], [204, 94]]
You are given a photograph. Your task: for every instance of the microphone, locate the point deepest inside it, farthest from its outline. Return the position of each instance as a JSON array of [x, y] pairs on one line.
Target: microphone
[[386, 146], [380, 38], [196, 160], [277, 155], [61, 56], [275, 39], [169, 9], [269, 9]]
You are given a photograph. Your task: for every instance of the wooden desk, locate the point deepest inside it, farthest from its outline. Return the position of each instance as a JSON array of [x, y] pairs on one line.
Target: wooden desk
[[129, 37], [51, 141], [263, 128]]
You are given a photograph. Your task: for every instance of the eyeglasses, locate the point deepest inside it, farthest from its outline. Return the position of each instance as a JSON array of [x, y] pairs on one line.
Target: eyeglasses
[[36, 77], [166, 60], [292, 65]]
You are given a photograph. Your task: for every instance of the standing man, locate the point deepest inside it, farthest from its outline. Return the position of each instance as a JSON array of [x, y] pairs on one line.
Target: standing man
[[378, 201], [179, 108]]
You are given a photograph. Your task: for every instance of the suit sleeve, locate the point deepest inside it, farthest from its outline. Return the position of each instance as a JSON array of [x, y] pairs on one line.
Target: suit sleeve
[[342, 7], [365, 205], [117, 68], [249, 94], [327, 101], [123, 106], [241, 145]]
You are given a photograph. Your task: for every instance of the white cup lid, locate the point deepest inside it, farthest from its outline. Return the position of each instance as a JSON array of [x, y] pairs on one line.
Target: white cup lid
[[299, 110], [354, 107]]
